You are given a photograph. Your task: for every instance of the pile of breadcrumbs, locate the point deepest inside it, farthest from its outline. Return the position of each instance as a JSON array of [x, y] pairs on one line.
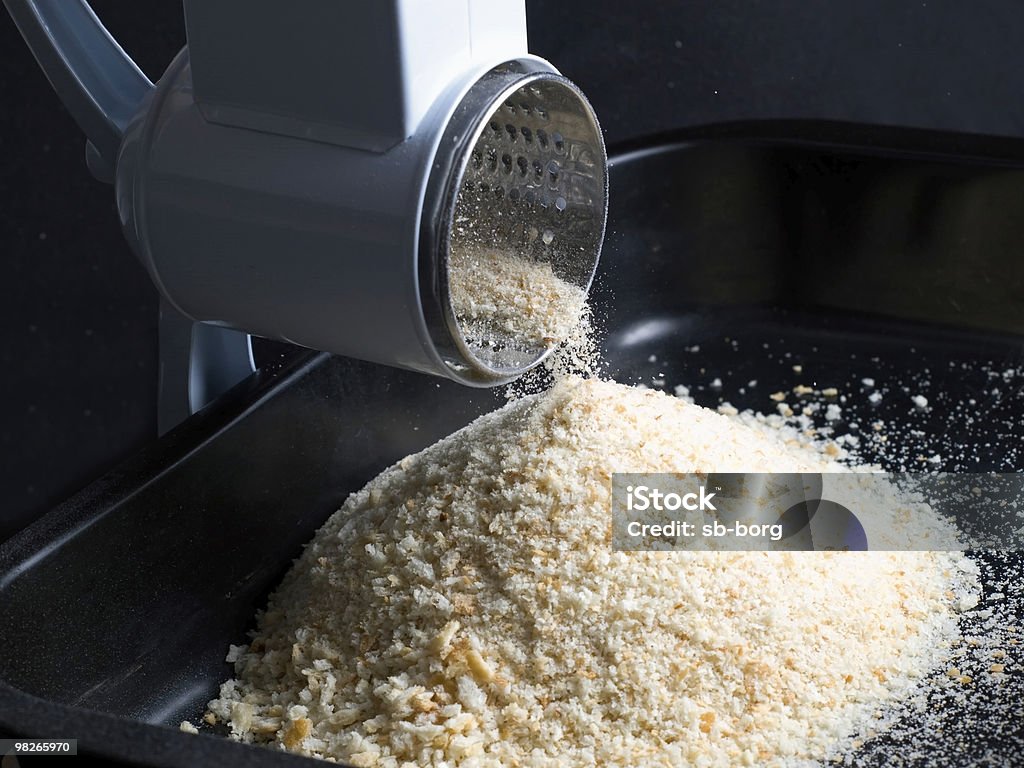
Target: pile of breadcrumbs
[[466, 609]]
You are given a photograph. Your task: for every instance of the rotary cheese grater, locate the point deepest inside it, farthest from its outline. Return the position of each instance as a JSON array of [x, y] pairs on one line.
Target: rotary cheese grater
[[297, 171]]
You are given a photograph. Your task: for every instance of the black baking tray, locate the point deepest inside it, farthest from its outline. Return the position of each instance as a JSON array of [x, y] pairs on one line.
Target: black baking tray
[[781, 254]]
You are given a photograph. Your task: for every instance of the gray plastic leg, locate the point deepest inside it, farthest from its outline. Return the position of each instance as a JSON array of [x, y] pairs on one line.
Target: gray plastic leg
[[198, 363]]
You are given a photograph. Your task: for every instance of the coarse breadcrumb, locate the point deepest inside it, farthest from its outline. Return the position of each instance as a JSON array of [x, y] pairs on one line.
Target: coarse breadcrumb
[[500, 298], [466, 609]]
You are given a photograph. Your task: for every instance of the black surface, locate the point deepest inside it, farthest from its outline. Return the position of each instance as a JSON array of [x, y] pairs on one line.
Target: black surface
[[119, 606], [77, 311], [78, 315], [652, 65]]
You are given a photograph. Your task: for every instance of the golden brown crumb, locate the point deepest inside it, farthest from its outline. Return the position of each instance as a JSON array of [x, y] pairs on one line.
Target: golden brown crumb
[[296, 732]]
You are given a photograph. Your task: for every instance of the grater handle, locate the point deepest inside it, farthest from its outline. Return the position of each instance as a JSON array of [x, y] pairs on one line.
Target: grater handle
[[99, 84]]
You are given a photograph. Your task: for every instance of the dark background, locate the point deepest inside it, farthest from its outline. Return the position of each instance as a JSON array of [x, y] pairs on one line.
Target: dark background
[[78, 314]]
